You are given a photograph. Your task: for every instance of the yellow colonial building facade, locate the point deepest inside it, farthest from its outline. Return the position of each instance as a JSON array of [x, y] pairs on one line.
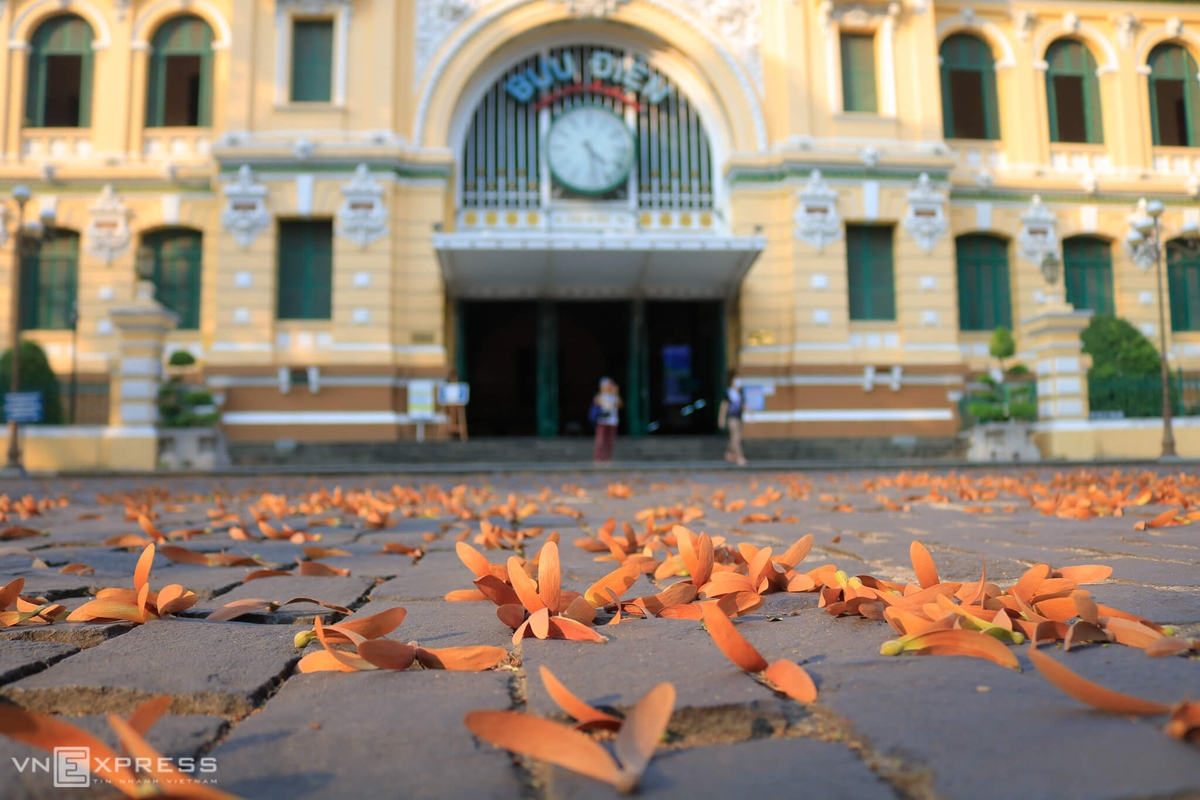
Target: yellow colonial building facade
[[841, 199]]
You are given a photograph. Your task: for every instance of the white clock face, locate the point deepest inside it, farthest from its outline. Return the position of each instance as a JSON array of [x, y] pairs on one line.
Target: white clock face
[[590, 150]]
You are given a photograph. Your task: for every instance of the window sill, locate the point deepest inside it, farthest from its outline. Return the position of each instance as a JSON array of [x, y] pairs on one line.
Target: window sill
[[308, 107], [30, 130], [178, 129], [862, 116]]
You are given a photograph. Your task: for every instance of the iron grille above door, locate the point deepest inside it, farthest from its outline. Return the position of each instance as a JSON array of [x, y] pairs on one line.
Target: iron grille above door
[[503, 164]]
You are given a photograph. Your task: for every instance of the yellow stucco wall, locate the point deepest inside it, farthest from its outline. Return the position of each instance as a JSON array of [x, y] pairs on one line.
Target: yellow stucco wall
[[400, 97]]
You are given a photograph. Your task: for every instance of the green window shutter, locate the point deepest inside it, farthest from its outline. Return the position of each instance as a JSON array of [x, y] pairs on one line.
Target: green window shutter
[[1088, 274], [1068, 58], [870, 272], [964, 54], [312, 61], [178, 260], [65, 35], [1183, 284], [1172, 63], [49, 280], [183, 38], [858, 72], [305, 279], [984, 297]]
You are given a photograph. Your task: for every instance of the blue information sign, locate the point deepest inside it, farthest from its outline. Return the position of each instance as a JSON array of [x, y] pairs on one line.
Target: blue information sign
[[23, 407]]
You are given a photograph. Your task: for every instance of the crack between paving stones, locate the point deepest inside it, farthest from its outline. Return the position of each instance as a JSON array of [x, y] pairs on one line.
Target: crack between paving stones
[[532, 776], [907, 782]]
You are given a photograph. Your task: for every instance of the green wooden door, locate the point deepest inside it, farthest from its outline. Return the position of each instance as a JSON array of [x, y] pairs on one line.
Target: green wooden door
[[1183, 282], [1088, 274], [178, 258], [984, 297], [1174, 96], [547, 369], [58, 88], [305, 280], [969, 106], [871, 275], [49, 281]]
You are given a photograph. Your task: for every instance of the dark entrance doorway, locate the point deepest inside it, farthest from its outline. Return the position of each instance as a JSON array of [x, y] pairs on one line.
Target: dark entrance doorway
[[500, 349], [593, 342], [534, 367], [686, 363]]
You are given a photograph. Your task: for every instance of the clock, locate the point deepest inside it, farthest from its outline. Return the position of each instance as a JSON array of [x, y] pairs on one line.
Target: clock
[[590, 150]]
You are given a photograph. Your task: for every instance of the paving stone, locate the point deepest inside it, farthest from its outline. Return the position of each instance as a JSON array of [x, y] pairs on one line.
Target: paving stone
[[440, 624], [18, 659], [1158, 605], [1014, 740], [1145, 571], [749, 769], [337, 735], [80, 634], [339, 591], [221, 668], [174, 737], [643, 653], [433, 577]]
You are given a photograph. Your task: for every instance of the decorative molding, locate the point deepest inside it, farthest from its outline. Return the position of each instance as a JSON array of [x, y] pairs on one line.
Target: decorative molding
[[315, 6], [155, 12], [1070, 22], [1193, 185], [1127, 26], [925, 219], [1090, 183], [84, 8], [817, 220], [736, 22], [1174, 27], [739, 23], [1037, 237], [108, 233], [432, 58], [245, 214], [967, 19], [1024, 21], [362, 217], [593, 8], [870, 155]]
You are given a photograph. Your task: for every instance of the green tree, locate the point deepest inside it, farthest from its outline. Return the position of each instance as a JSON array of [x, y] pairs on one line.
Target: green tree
[[1118, 349], [1002, 345], [36, 376]]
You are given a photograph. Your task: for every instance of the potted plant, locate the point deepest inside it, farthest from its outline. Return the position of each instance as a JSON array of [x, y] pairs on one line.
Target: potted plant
[[188, 434], [1004, 410]]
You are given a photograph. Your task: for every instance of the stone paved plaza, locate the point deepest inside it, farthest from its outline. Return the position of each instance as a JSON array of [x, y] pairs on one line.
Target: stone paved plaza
[[882, 727]]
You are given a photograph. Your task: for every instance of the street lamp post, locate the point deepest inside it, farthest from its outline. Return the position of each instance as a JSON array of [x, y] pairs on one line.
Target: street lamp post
[[1146, 237], [73, 319], [21, 196]]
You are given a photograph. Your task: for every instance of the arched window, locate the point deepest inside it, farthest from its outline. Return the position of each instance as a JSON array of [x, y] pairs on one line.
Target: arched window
[[984, 299], [969, 108], [177, 266], [1183, 282], [49, 278], [1174, 96], [179, 91], [1088, 273], [1073, 93], [58, 92]]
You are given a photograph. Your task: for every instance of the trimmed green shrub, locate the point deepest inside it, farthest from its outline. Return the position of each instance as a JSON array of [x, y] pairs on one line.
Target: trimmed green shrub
[[181, 358], [36, 376], [1118, 349]]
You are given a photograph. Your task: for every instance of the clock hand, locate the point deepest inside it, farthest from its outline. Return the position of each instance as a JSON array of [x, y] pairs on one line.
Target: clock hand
[[592, 152]]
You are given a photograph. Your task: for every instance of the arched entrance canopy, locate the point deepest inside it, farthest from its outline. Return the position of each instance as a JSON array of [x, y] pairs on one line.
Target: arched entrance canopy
[[586, 168]]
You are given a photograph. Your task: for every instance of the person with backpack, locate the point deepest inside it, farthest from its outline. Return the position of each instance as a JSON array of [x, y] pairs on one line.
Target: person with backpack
[[730, 418], [605, 415]]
